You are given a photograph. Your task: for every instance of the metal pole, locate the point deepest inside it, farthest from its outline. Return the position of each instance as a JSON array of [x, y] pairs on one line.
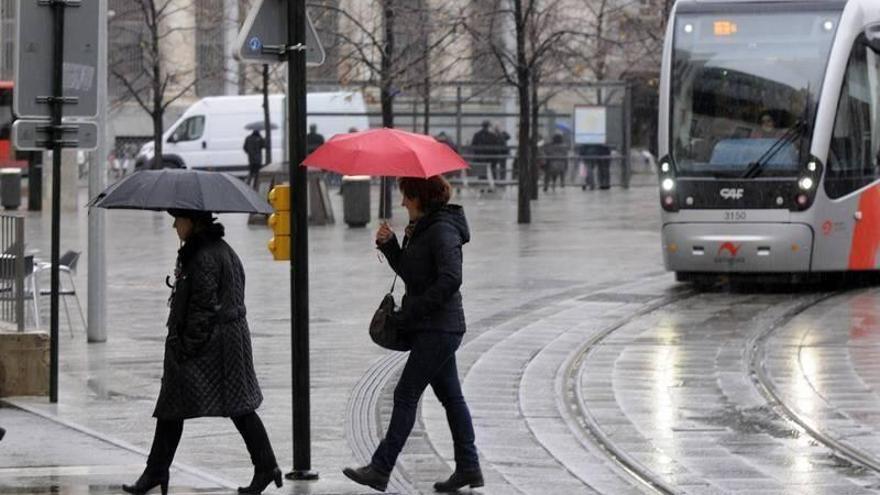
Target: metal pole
[[266, 119], [57, 93], [299, 261], [458, 118], [97, 306]]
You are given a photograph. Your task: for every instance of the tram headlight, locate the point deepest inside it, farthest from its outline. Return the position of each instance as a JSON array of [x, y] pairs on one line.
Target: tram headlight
[[806, 183], [667, 184], [664, 167]]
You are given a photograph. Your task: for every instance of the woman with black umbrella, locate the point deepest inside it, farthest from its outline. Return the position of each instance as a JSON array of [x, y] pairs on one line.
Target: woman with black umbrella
[[209, 368]]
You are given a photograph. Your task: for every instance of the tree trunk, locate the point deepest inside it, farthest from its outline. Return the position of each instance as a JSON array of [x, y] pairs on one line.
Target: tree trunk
[[523, 78], [158, 110], [157, 115], [533, 139], [427, 105], [387, 99]]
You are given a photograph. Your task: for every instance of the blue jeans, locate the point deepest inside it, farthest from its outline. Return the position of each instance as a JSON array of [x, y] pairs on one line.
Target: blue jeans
[[431, 362]]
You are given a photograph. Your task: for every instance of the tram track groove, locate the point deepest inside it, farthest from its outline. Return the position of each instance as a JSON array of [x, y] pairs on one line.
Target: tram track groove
[[584, 424], [363, 428], [756, 349]]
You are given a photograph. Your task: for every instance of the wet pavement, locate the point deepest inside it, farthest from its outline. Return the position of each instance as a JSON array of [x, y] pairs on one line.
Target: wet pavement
[[586, 367]]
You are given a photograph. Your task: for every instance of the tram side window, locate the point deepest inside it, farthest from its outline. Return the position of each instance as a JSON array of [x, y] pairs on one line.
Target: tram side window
[[853, 160]]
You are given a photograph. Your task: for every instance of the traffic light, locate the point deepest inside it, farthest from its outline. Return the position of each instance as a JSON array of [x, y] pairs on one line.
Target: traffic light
[[279, 222]]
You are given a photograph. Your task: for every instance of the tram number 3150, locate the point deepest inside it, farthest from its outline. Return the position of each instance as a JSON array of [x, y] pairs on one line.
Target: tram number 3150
[[735, 216]]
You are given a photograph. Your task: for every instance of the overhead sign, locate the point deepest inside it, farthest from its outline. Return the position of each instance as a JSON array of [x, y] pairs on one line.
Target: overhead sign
[[33, 59], [263, 36], [34, 135]]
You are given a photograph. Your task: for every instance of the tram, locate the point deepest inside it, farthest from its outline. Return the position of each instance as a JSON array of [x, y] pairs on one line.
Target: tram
[[769, 137]]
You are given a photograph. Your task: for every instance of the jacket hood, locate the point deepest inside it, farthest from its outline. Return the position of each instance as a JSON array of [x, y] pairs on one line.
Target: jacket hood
[[450, 214]]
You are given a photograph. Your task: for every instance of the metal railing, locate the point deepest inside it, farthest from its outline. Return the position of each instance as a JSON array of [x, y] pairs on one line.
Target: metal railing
[[15, 267]]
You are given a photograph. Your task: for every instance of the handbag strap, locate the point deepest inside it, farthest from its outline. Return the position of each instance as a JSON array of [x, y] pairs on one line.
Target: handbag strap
[[402, 248]]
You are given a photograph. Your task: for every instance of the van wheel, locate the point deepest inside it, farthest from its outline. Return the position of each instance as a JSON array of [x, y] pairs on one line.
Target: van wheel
[[171, 164]]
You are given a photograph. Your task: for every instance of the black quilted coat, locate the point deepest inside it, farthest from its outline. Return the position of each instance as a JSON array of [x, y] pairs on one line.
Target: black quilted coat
[[209, 369], [430, 266]]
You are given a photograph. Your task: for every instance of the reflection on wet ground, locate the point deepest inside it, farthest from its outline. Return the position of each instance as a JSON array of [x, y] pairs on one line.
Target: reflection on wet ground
[[672, 386]]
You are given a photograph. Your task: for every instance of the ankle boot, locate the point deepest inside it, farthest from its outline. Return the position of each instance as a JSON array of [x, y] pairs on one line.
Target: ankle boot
[[149, 480], [459, 479], [368, 476], [261, 480]]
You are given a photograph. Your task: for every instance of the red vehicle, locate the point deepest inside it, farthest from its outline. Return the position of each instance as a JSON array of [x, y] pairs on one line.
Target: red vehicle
[[8, 156]]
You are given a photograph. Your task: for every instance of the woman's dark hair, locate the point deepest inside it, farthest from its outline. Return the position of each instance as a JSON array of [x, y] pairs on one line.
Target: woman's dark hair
[[197, 217], [432, 192]]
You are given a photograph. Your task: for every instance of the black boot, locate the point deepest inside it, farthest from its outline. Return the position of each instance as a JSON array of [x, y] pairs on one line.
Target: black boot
[[149, 480], [260, 449], [368, 476], [459, 479], [261, 480]]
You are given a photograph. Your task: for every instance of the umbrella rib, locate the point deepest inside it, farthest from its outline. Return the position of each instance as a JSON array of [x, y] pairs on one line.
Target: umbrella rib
[[152, 190], [201, 190]]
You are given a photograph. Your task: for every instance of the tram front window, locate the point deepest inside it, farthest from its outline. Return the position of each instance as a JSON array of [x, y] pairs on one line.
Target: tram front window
[[744, 87]]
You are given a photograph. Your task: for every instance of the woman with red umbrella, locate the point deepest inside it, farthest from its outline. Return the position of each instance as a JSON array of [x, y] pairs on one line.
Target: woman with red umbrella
[[429, 263]]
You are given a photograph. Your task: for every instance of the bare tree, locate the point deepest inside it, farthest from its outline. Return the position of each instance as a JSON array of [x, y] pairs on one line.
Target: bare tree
[[539, 28], [619, 36], [390, 43], [145, 68]]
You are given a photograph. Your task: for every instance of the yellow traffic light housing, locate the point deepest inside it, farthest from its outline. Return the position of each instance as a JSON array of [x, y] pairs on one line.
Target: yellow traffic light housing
[[279, 222]]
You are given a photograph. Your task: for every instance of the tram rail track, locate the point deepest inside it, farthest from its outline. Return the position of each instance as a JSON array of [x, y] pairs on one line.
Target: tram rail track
[[580, 417], [756, 352], [363, 428]]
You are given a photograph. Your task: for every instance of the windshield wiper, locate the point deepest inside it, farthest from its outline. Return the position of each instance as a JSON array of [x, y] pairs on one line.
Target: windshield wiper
[[756, 167]]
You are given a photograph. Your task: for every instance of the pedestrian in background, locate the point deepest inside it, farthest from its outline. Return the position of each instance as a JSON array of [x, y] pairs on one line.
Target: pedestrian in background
[[499, 165], [432, 315], [253, 146], [484, 145], [208, 369], [554, 159], [445, 139], [313, 139]]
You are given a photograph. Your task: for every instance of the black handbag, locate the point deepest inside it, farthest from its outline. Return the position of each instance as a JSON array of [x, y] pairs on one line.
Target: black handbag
[[384, 329]]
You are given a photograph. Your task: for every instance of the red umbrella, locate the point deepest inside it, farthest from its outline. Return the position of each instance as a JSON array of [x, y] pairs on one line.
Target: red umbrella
[[388, 152]]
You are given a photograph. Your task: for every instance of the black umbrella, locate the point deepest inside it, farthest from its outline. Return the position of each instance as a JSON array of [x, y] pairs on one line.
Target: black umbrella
[[182, 189], [259, 125]]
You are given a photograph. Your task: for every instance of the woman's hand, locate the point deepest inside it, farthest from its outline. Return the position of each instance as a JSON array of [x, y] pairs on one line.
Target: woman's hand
[[384, 234]]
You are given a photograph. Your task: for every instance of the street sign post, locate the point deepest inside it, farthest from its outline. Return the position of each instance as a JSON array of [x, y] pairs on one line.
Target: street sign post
[[34, 53], [263, 36], [36, 135], [52, 83]]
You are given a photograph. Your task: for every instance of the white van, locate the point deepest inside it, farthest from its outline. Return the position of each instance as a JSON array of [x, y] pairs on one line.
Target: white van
[[210, 134]]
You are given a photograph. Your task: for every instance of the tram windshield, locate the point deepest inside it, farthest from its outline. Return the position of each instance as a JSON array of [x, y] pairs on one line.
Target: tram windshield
[[744, 88]]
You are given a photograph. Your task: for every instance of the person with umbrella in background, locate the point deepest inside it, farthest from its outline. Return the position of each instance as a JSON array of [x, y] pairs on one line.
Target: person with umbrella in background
[[253, 146], [208, 362]]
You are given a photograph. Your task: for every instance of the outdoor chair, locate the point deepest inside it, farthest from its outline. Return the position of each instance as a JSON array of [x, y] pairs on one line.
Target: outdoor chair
[[66, 264]]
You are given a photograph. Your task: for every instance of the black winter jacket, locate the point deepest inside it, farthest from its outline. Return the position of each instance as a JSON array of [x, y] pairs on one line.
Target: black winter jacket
[[209, 368], [430, 266]]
